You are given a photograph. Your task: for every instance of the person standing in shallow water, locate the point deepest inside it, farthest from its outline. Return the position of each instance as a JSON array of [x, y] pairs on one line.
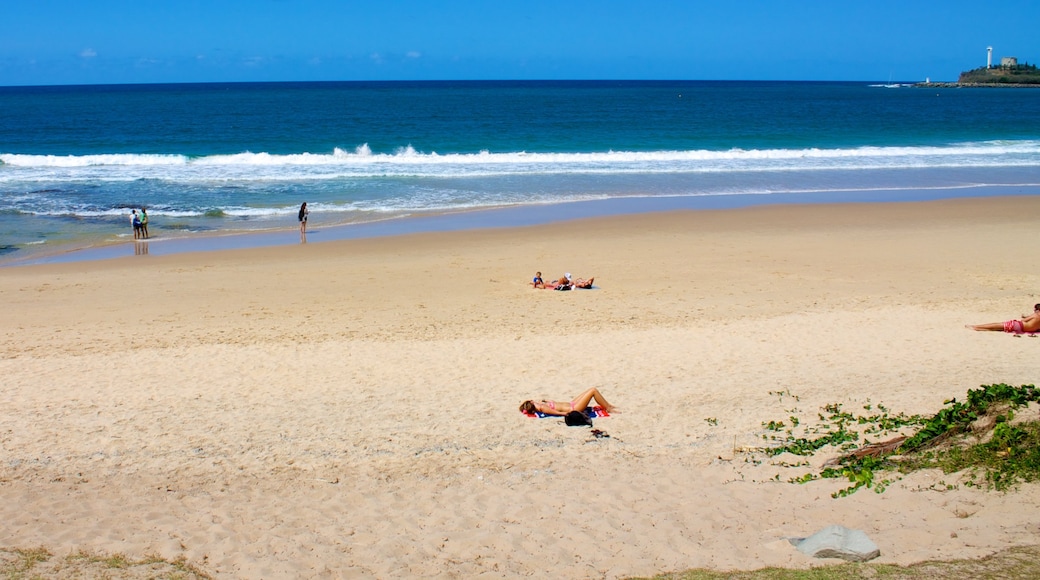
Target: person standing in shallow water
[[135, 221], [144, 222], [304, 212]]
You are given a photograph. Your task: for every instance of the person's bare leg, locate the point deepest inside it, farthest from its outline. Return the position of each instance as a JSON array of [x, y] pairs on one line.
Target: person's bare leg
[[581, 402], [603, 402], [991, 326]]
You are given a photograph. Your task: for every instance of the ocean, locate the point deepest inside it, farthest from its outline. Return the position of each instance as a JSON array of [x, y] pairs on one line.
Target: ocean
[[213, 160]]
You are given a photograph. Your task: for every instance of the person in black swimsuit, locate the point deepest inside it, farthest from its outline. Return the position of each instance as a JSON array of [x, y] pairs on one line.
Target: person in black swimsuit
[[302, 216]]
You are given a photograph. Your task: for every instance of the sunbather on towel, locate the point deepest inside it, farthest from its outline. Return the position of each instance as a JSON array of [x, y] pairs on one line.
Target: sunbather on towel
[[561, 408], [1028, 323], [567, 283], [561, 284]]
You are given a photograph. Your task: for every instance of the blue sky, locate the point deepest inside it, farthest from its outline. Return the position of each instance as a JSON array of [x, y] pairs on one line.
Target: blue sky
[[46, 42]]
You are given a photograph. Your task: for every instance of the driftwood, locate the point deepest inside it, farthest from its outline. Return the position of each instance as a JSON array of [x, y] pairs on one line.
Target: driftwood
[[981, 428], [873, 450]]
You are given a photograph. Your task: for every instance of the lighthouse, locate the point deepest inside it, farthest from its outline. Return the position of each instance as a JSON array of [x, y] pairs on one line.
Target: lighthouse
[[989, 57]]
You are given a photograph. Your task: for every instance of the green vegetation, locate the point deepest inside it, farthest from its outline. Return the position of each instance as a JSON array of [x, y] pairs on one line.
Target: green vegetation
[[976, 435], [1018, 562], [40, 563], [1023, 74], [1022, 562], [19, 563]]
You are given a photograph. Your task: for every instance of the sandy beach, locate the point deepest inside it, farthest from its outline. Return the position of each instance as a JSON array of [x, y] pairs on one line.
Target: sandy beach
[[349, 409]]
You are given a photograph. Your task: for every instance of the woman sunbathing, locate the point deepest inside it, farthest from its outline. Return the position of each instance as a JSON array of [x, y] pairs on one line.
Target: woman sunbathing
[[566, 283], [561, 284], [1028, 323], [561, 408]]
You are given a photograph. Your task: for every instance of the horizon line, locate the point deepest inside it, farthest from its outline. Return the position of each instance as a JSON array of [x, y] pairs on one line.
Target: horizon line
[[445, 81]]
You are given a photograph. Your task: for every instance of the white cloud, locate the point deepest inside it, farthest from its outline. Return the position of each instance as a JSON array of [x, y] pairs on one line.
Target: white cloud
[[88, 53], [413, 54]]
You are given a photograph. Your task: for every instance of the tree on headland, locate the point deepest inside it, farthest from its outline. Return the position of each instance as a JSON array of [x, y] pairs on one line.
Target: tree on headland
[[1019, 74]]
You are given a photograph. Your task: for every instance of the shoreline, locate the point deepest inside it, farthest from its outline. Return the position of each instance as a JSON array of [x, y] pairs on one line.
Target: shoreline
[[350, 408], [502, 217], [956, 85]]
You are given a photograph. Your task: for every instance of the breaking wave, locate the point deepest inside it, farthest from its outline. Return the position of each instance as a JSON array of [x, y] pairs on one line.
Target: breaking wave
[[407, 162]]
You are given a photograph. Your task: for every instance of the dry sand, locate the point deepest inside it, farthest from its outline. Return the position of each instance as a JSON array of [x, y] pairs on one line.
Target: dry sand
[[349, 409]]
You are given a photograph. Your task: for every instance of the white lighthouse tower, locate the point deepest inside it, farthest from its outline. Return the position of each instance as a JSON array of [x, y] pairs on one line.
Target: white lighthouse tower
[[989, 57]]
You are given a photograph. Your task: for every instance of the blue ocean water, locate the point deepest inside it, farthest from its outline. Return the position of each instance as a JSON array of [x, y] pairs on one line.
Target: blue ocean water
[[215, 159]]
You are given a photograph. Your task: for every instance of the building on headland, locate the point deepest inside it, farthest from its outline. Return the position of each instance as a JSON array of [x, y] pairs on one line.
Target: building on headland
[[1010, 73], [1005, 61]]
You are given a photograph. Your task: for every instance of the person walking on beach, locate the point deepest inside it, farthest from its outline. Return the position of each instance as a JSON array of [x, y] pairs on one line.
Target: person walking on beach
[[1028, 323], [144, 222], [304, 212], [135, 221]]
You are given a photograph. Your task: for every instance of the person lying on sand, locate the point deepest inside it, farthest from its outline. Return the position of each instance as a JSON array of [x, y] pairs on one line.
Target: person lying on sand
[[561, 408], [561, 284], [1028, 323], [566, 283]]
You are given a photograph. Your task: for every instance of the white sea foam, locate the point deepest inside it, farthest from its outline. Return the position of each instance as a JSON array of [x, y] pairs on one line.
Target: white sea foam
[[231, 190], [16, 160], [406, 161]]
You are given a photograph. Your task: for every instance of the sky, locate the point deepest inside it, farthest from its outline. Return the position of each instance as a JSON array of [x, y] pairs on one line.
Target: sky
[[59, 42]]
